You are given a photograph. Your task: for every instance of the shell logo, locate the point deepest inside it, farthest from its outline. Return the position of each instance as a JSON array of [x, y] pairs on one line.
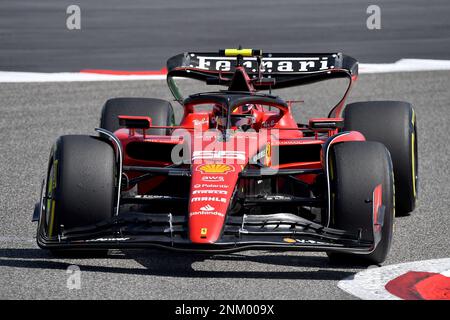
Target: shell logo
[[215, 168]]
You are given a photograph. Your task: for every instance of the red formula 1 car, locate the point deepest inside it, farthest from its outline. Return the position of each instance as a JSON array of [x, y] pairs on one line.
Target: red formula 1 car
[[238, 172]]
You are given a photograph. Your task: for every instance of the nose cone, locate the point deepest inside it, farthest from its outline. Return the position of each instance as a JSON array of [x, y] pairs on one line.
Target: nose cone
[[212, 186]]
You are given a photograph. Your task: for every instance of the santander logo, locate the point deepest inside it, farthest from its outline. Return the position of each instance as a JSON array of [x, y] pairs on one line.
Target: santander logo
[[207, 208]]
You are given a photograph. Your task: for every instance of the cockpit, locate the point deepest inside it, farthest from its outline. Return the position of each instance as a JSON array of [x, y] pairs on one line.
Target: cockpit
[[227, 110]]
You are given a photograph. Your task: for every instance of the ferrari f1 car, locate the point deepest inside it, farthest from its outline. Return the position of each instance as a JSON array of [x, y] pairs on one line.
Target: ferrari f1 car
[[238, 172]]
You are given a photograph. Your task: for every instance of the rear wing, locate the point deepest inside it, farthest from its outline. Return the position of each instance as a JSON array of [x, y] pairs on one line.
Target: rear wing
[[283, 69]]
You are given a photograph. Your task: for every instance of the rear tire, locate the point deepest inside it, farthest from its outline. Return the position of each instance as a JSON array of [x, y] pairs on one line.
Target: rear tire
[[356, 169], [80, 184], [392, 123], [160, 111]]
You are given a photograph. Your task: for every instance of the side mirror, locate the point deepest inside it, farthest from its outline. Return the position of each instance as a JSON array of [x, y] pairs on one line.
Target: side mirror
[[135, 122]]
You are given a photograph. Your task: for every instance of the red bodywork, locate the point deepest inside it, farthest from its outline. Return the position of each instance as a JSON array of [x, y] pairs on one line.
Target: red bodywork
[[237, 173], [216, 164]]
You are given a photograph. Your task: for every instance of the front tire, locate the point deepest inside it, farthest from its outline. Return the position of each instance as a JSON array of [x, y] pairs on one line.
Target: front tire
[[357, 168], [80, 188]]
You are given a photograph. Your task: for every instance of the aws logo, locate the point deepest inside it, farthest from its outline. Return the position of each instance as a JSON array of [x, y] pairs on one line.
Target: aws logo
[[213, 178]]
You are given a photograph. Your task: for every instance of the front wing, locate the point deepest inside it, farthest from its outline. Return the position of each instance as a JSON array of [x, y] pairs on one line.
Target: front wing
[[280, 231]]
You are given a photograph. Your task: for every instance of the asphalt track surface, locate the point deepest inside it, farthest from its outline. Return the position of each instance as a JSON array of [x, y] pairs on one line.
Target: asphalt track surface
[[34, 115], [142, 34]]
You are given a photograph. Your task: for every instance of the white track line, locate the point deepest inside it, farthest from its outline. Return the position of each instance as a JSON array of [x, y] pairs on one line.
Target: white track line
[[12, 76], [403, 65]]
